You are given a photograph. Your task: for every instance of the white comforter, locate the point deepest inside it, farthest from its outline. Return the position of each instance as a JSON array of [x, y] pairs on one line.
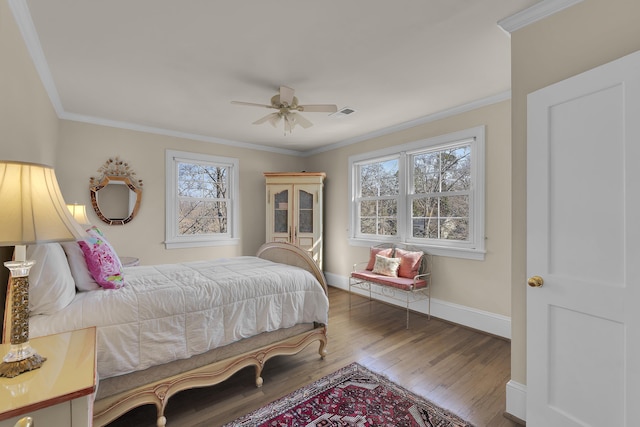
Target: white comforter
[[173, 311]]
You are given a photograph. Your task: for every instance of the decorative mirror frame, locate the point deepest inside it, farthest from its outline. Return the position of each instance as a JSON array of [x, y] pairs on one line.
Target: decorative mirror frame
[[119, 171]]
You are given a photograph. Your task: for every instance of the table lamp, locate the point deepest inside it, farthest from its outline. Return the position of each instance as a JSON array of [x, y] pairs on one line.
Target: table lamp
[[33, 211], [79, 213]]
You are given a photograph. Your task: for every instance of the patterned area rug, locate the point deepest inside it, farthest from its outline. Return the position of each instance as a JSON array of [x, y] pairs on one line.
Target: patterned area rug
[[352, 396]]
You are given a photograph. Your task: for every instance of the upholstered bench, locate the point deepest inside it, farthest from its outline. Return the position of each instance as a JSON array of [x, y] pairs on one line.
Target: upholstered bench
[[396, 272]]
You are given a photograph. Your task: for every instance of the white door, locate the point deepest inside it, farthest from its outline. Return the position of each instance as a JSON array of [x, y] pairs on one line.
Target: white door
[[583, 241]]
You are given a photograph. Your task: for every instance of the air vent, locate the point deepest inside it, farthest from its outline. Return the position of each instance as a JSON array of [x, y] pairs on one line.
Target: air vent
[[343, 112]]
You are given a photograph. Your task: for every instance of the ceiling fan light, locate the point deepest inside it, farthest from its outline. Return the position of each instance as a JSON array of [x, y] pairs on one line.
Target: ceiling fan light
[[287, 105], [274, 119]]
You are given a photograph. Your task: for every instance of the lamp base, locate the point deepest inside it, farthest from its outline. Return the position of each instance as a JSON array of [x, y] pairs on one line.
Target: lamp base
[[13, 369]]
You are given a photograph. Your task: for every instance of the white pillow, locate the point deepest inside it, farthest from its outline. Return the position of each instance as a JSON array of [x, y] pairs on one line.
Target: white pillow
[[386, 266], [51, 286], [78, 265]]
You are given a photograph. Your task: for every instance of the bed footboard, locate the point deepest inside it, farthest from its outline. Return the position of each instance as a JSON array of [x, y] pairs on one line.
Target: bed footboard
[[159, 392]]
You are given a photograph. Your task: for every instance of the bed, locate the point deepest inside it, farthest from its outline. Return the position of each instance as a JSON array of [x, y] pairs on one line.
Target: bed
[[172, 327]]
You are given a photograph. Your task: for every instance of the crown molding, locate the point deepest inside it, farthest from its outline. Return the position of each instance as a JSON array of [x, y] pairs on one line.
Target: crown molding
[[473, 105], [172, 133], [534, 13]]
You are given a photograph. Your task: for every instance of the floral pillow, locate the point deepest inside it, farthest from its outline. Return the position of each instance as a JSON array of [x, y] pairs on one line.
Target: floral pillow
[[103, 262], [386, 266]]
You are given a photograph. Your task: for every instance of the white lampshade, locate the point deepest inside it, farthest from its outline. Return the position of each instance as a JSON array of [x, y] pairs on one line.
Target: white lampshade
[[79, 213], [33, 209]]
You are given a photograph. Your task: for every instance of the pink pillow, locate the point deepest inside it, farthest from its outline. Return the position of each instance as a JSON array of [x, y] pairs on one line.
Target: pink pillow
[[103, 262], [409, 263], [386, 252]]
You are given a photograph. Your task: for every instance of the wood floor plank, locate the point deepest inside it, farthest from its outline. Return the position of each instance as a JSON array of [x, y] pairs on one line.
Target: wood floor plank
[[459, 369]]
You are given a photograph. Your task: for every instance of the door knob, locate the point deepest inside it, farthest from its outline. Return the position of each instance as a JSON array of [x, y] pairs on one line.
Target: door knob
[[535, 281]]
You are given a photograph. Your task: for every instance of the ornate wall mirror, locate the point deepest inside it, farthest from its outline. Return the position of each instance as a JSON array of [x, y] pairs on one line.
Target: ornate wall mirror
[[116, 194]]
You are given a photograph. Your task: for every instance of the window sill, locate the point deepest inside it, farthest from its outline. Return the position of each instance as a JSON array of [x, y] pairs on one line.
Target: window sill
[[200, 243], [464, 253]]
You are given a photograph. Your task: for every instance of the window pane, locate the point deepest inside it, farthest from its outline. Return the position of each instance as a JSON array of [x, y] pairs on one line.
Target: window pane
[[368, 225], [456, 169], [454, 229], [379, 217], [368, 208], [425, 228], [454, 206], [202, 181], [198, 217], [442, 171], [379, 179], [388, 208], [388, 227], [425, 207], [432, 229], [200, 188], [426, 172]]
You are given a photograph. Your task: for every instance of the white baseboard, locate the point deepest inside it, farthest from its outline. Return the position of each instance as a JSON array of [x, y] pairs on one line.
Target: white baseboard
[[491, 323], [517, 400]]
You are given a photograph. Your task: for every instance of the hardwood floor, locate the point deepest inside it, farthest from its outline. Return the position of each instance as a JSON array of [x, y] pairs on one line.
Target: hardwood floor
[[462, 370]]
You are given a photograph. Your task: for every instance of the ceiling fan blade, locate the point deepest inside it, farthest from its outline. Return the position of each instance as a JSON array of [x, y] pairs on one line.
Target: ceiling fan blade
[[274, 119], [252, 104], [318, 108], [286, 95], [302, 121], [269, 118]]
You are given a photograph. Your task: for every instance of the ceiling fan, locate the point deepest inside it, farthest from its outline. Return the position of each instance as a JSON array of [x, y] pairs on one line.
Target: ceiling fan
[[288, 110]]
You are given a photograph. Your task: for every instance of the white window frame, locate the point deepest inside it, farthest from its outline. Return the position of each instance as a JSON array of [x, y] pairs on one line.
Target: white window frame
[[173, 240], [474, 248]]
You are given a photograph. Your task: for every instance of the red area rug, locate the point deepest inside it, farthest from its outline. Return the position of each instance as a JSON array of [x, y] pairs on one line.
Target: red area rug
[[352, 396]]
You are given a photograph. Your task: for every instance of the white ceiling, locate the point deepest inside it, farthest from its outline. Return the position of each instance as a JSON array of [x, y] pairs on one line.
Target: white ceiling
[[175, 66]]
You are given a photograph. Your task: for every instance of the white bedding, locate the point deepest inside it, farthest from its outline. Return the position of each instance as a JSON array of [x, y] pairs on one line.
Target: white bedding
[[173, 311]]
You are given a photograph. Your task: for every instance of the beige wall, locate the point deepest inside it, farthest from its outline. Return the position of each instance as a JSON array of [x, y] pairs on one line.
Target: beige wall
[[78, 149], [28, 122], [83, 148], [577, 39], [482, 285]]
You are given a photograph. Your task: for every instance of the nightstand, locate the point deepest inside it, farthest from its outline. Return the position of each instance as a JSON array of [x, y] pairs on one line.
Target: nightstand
[[60, 392], [129, 261]]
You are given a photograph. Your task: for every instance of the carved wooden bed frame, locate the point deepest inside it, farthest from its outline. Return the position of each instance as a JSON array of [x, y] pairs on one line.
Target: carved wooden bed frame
[[222, 364]]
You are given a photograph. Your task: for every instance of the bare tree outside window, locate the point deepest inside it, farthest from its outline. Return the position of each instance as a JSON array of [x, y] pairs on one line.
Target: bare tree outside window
[[203, 199], [440, 207], [379, 191], [428, 193]]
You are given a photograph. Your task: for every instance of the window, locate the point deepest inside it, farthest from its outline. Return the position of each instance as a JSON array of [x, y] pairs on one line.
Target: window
[[202, 193], [427, 193]]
